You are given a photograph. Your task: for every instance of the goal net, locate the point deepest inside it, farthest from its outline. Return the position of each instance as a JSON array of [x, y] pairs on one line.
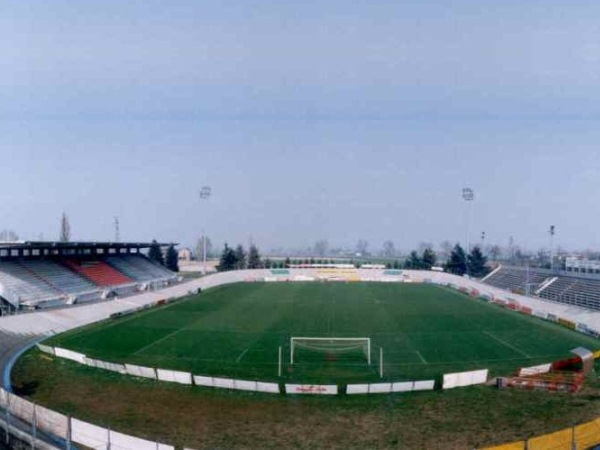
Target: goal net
[[331, 345]]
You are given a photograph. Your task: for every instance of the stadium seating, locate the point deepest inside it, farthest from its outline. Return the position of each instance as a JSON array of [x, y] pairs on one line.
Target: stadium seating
[[98, 272], [574, 291], [26, 286], [139, 268], [515, 279], [59, 276], [584, 292]]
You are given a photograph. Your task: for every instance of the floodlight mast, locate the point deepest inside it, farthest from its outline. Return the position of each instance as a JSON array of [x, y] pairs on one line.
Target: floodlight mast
[[552, 232], [469, 196], [205, 193]]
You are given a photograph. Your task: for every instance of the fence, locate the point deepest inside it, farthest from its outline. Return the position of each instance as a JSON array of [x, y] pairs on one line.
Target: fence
[[67, 430], [580, 437]]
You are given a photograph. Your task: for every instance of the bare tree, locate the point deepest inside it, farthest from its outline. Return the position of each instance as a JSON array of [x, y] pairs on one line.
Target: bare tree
[[321, 247], [389, 250], [424, 246], [200, 247], [445, 251], [361, 247], [8, 236], [65, 229], [494, 252]]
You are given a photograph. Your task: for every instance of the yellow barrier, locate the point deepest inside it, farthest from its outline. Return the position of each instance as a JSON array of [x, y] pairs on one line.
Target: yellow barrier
[[519, 445], [585, 436], [559, 440], [588, 434]]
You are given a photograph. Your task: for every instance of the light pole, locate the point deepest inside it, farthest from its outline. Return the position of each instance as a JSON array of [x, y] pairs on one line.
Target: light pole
[[468, 195], [552, 231], [205, 193]]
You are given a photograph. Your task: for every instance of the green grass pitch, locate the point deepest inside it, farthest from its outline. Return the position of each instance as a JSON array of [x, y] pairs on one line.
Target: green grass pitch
[[235, 331]]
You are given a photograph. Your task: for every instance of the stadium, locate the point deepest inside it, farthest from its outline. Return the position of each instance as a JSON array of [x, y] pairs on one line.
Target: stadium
[[263, 242], [104, 314]]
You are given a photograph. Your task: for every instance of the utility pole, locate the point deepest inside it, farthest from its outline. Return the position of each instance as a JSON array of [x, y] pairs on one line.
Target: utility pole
[[469, 196], [205, 193]]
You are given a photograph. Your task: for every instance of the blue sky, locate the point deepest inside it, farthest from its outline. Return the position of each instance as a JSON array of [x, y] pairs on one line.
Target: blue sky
[[334, 120]]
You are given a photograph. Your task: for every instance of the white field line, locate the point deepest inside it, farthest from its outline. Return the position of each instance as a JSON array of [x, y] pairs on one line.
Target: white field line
[[507, 344], [164, 338], [239, 358], [421, 356]]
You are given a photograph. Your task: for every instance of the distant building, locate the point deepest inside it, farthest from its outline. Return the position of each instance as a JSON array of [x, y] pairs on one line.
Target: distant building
[[184, 255], [582, 265]]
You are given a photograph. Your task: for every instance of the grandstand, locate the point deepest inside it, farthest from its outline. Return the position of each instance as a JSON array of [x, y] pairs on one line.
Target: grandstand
[[559, 286], [36, 275]]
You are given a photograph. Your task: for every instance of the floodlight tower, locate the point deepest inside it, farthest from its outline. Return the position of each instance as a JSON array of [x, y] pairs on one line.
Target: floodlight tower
[[552, 232], [205, 193], [117, 230], [469, 196]]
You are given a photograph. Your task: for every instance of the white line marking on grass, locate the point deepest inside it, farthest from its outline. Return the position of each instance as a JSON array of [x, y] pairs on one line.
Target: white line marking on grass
[[164, 338], [239, 358], [507, 344], [421, 356]]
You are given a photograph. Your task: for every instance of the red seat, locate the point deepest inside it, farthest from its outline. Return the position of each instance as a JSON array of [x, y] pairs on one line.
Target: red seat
[[98, 272]]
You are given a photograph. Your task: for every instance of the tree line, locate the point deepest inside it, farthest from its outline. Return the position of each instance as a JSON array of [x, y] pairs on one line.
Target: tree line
[[170, 259], [474, 264], [459, 263]]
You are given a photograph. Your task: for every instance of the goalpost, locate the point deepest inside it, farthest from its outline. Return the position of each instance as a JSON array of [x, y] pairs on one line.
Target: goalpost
[[331, 345]]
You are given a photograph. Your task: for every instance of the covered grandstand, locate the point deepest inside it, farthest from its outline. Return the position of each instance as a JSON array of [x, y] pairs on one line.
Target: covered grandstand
[[35, 275], [568, 287]]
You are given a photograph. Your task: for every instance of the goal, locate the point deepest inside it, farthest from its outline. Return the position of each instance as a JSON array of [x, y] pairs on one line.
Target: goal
[[331, 345]]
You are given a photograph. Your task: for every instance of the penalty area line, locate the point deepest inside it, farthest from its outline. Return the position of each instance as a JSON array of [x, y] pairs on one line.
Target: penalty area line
[[239, 358], [421, 357], [512, 347]]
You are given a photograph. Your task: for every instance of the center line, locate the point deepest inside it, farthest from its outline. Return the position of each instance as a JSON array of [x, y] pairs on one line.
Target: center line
[[421, 356], [241, 356], [507, 344]]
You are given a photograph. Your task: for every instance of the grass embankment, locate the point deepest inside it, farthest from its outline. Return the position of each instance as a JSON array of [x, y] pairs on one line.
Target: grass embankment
[[206, 418]]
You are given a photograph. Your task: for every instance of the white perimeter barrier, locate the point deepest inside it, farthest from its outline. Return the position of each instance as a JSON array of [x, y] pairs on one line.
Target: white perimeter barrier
[[119, 441], [384, 388], [452, 380], [203, 381], [271, 388], [534, 370], [174, 376], [403, 386], [322, 389], [141, 371], [242, 385], [21, 408], [357, 389], [82, 432], [88, 434], [223, 383], [119, 368], [46, 349], [69, 354], [51, 421], [423, 385], [380, 388]]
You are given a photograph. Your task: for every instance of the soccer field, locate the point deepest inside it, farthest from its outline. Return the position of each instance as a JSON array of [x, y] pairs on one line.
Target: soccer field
[[235, 331]]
